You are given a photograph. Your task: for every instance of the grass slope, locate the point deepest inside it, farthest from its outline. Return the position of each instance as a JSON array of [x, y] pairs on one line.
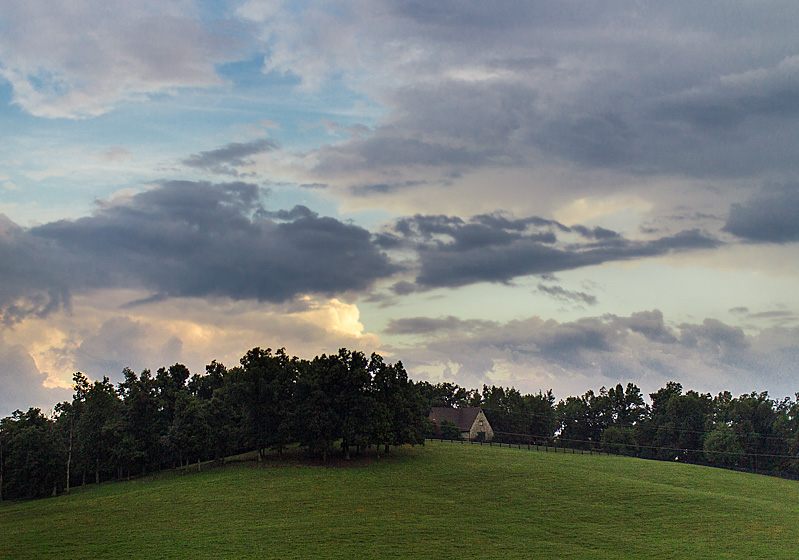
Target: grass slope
[[439, 501]]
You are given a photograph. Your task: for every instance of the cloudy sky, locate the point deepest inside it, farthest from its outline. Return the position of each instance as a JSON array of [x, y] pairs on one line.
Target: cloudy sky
[[545, 194]]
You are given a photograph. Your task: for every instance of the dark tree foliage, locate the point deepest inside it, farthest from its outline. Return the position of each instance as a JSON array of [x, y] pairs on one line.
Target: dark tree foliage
[[517, 418], [676, 425], [401, 410], [31, 455], [448, 395], [98, 431], [449, 430], [143, 424], [334, 402], [607, 420], [267, 387], [345, 403]]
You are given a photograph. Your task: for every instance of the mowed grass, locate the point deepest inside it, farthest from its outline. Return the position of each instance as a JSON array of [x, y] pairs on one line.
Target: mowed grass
[[439, 501]]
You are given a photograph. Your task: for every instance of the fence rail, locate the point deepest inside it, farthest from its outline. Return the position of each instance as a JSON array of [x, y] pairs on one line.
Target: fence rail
[[528, 446], [576, 451]]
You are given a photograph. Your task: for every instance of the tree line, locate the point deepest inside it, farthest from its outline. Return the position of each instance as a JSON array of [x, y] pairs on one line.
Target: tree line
[[342, 402], [345, 403], [752, 431]]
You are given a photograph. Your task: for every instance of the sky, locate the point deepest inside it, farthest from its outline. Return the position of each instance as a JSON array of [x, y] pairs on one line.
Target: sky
[[545, 194]]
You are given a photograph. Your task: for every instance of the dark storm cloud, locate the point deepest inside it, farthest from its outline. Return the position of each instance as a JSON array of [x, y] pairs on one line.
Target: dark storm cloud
[[187, 239], [404, 288], [34, 275], [453, 252], [481, 230], [299, 211], [651, 325], [771, 216], [562, 294], [387, 149], [595, 233], [224, 160], [384, 188], [727, 100], [595, 351], [714, 333], [665, 87], [566, 342]]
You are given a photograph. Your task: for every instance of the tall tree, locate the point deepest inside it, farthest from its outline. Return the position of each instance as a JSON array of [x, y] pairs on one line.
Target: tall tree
[[676, 426], [32, 455], [98, 428], [402, 408], [140, 448], [268, 385], [317, 420]]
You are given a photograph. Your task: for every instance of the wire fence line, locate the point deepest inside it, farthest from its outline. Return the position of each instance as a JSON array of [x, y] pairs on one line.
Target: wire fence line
[[543, 447], [677, 429], [552, 447]]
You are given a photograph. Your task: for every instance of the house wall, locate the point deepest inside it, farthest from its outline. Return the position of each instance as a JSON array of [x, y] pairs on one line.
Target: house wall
[[477, 428]]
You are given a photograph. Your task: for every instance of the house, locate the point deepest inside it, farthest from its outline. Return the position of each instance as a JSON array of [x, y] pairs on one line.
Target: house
[[471, 421]]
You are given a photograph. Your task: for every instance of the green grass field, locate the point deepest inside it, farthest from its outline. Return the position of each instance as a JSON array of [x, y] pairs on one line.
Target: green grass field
[[439, 501]]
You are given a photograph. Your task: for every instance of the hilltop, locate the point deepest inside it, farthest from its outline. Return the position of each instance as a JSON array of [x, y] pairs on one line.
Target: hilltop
[[442, 500]]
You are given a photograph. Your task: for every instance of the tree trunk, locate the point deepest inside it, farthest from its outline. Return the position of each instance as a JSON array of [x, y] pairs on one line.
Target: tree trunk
[[97, 471], [198, 464], [69, 458]]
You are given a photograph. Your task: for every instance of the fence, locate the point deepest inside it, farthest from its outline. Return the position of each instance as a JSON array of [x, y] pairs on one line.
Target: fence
[[575, 451], [529, 446]]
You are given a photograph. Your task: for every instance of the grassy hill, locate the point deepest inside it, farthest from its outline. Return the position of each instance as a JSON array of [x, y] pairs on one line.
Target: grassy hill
[[440, 501]]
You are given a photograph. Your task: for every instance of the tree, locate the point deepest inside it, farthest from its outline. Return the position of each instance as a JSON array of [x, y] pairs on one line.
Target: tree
[[619, 440], [405, 407], [317, 422], [168, 387], [267, 386], [222, 393], [449, 430], [188, 435], [98, 428], [578, 428], [32, 456], [721, 447], [676, 425], [141, 430], [448, 395]]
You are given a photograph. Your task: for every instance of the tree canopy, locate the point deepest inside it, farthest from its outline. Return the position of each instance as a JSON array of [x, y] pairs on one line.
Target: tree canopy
[[341, 402]]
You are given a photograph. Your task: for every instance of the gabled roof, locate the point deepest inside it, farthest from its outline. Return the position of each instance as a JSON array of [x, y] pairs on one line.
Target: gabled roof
[[462, 417]]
